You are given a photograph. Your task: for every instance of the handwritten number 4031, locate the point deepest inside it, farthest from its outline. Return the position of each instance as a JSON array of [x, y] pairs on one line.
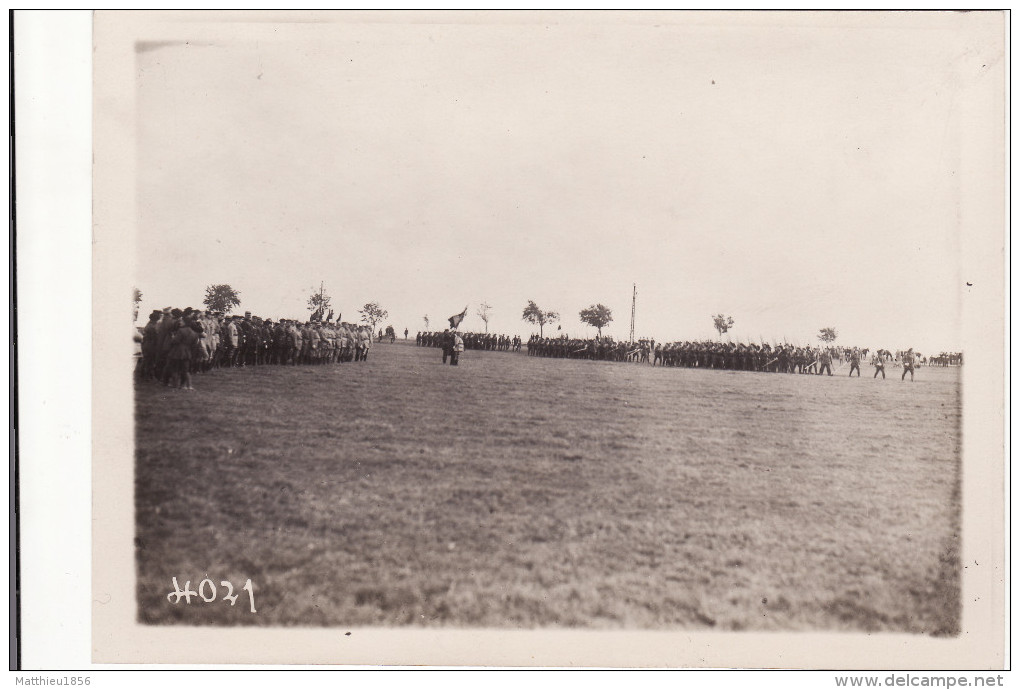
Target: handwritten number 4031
[[207, 592]]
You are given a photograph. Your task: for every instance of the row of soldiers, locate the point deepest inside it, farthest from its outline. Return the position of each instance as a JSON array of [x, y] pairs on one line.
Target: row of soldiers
[[753, 357], [496, 342], [176, 342], [593, 348], [786, 358], [708, 354]]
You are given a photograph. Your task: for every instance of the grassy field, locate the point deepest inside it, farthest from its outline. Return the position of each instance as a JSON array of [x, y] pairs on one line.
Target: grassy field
[[521, 492]]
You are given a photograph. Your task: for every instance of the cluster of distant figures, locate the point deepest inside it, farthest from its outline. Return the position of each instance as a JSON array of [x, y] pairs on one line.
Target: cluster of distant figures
[[177, 343], [472, 341], [703, 354], [709, 354]]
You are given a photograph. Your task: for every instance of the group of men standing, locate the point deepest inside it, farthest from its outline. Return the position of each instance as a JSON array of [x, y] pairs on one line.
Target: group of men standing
[[496, 342], [785, 358], [710, 354], [748, 357], [605, 349], [176, 343]]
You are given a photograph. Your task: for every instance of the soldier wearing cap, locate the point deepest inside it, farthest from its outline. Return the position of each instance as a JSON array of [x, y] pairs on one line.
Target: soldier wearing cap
[[231, 341], [364, 343], [314, 340], [280, 352], [457, 347], [306, 342], [908, 364], [855, 362], [879, 365], [295, 342], [210, 336], [163, 328], [825, 359], [200, 351], [343, 342], [447, 344], [150, 344], [248, 338], [183, 345]]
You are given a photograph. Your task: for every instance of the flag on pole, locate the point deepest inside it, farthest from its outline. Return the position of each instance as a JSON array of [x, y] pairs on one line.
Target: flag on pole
[[457, 318]]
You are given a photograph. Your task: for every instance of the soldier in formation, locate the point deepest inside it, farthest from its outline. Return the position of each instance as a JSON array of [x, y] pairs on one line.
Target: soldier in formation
[[473, 341], [708, 354], [946, 359], [178, 343]]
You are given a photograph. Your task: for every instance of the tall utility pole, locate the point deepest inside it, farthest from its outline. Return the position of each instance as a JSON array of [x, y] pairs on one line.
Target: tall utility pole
[[633, 311]]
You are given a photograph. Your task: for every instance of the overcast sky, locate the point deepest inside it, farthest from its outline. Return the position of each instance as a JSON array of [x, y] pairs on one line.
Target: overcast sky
[[793, 177]]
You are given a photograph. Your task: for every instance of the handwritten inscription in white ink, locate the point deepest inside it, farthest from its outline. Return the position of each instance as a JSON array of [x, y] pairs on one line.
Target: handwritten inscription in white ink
[[207, 592]]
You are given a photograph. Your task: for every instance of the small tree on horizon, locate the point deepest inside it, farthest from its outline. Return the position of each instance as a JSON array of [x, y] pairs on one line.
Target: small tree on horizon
[[221, 298], [534, 315], [483, 313], [722, 323], [828, 334], [597, 315], [372, 314]]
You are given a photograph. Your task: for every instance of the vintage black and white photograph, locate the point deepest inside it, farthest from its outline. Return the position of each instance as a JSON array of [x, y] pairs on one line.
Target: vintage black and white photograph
[[632, 322]]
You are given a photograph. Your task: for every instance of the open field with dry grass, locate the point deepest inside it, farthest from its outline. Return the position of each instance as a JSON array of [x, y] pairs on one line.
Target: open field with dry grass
[[523, 492]]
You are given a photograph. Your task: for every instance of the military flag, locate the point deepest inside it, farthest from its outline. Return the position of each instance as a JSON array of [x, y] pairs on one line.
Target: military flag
[[457, 318]]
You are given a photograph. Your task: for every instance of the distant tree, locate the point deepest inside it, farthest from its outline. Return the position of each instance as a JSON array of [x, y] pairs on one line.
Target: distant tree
[[597, 315], [221, 298], [318, 303], [372, 314], [828, 334], [138, 300], [722, 323], [426, 318], [533, 315], [483, 314]]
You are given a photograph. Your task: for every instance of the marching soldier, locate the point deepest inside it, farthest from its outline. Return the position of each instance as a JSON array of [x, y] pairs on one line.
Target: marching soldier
[[825, 359], [855, 362], [908, 364]]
